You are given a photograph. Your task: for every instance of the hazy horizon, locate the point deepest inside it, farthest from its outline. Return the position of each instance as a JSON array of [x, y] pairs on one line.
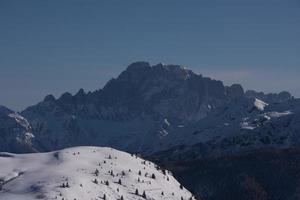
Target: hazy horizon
[[52, 47]]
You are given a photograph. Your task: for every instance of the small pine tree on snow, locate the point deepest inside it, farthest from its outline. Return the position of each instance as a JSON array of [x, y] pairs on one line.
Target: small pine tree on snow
[[67, 185], [162, 193], [107, 183], [181, 198], [120, 182], [109, 157], [96, 172], [153, 176], [144, 195], [104, 197], [140, 173], [122, 198], [95, 181], [136, 192], [123, 173], [181, 187]]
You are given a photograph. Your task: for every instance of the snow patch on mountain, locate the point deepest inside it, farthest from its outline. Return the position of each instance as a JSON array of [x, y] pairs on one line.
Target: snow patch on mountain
[[90, 173], [259, 104], [275, 114], [247, 125], [20, 120], [167, 122]]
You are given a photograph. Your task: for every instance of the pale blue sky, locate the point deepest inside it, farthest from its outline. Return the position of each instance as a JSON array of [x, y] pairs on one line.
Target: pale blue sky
[[59, 45]]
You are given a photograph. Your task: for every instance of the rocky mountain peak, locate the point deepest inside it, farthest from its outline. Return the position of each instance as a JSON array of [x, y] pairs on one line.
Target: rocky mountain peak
[[271, 97], [235, 91], [66, 97], [49, 98], [141, 70], [4, 111]]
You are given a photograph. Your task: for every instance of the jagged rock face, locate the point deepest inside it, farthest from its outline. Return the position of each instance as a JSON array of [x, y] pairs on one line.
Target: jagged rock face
[[15, 135], [271, 98], [156, 91], [154, 108], [132, 106], [235, 91], [160, 91]]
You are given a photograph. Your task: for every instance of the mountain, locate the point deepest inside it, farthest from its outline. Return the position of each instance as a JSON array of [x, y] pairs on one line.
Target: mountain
[[16, 133], [142, 110], [240, 127], [271, 98], [167, 110], [85, 173], [203, 130]]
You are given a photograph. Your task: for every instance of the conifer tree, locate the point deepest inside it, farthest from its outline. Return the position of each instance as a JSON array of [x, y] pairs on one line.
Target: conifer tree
[[153, 176], [95, 181]]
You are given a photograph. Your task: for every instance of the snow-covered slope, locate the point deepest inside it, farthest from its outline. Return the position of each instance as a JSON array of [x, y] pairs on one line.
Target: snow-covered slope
[[85, 173]]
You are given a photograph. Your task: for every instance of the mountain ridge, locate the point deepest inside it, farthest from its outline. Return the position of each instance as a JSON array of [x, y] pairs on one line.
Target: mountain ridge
[[134, 107]]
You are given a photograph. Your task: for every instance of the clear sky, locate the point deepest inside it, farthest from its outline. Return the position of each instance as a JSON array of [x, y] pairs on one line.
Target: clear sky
[[58, 45]]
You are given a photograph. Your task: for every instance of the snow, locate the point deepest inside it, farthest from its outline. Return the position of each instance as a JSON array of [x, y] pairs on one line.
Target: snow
[[247, 125], [20, 120], [45, 176], [163, 132], [259, 104], [275, 114], [167, 122]]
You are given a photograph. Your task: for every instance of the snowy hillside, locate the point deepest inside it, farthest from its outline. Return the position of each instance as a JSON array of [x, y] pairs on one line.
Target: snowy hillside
[[85, 173]]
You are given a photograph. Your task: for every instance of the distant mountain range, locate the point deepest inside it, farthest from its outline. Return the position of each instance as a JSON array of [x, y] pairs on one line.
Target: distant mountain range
[[165, 112], [177, 118]]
